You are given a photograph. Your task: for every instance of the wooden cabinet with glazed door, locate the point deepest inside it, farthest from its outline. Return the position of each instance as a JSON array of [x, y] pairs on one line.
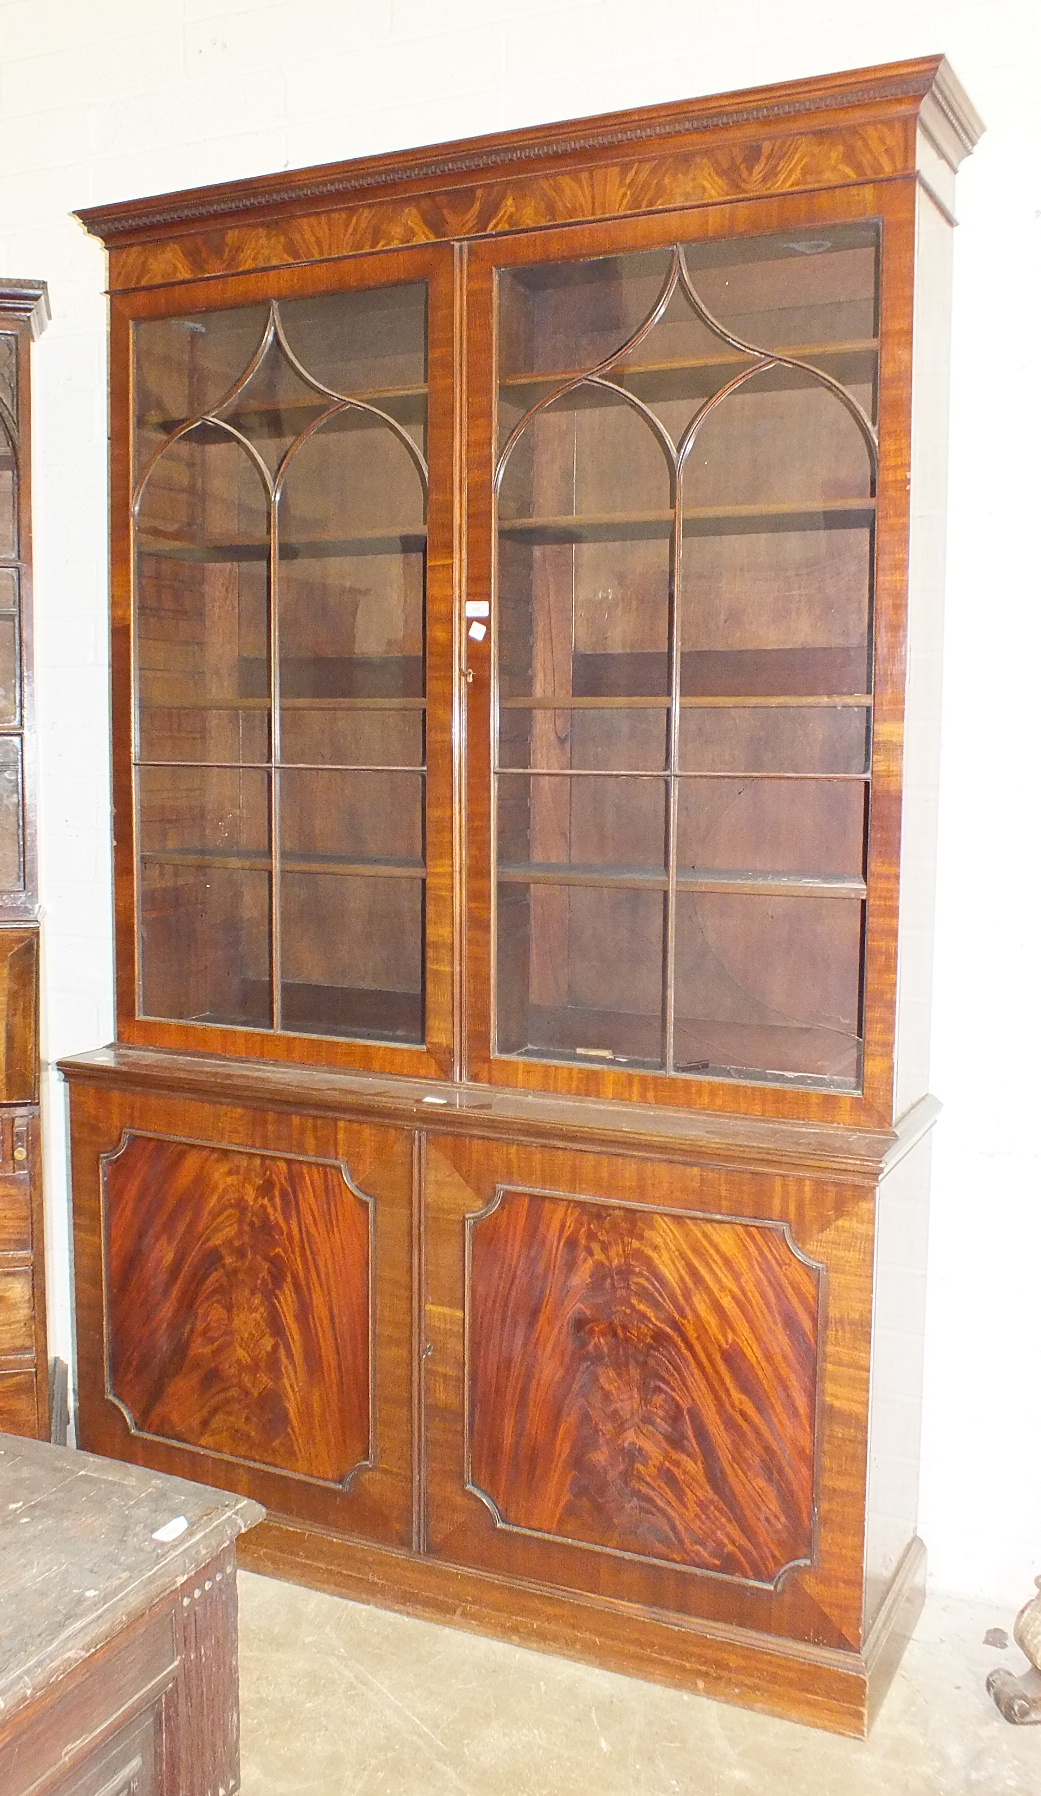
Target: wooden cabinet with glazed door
[[526, 567], [24, 1385]]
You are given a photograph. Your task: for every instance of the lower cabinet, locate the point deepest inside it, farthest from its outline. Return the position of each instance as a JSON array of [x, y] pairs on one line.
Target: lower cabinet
[[617, 1399]]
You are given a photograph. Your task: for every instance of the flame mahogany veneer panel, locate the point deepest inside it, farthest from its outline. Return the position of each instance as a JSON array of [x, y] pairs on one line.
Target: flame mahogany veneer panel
[[238, 1304], [644, 1382]]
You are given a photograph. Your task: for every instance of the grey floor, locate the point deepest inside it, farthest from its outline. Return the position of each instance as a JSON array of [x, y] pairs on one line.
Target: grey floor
[[342, 1700]]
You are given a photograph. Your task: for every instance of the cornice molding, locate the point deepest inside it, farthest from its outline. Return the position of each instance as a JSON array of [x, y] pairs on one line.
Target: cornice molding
[[519, 151], [948, 94], [26, 299]]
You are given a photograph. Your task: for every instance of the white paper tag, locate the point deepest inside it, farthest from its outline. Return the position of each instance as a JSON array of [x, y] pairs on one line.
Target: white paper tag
[[171, 1530], [478, 632], [478, 608]]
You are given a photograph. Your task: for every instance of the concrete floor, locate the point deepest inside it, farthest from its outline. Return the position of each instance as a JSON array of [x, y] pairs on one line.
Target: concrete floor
[[342, 1700]]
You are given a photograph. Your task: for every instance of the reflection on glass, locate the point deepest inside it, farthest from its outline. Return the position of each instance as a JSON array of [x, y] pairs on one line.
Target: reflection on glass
[[685, 528], [9, 374], [8, 494], [10, 651], [280, 628], [12, 877]]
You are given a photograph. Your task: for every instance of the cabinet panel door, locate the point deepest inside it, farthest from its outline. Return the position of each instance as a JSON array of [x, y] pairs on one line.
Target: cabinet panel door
[[639, 1385], [250, 1275]]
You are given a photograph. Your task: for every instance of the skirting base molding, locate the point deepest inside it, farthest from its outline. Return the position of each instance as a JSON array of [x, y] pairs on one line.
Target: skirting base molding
[[838, 1691]]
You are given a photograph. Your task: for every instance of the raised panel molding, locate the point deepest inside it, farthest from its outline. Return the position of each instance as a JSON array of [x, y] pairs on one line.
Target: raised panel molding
[[644, 1382], [238, 1304]]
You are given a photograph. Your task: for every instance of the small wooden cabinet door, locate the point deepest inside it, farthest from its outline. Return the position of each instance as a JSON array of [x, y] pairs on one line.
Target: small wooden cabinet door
[[645, 1382], [245, 1313]]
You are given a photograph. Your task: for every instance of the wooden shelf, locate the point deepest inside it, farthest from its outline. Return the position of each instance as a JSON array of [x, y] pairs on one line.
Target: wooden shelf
[[286, 420], [706, 520], [286, 704], [651, 773], [237, 860], [566, 702], [416, 769], [729, 880], [862, 351], [372, 542]]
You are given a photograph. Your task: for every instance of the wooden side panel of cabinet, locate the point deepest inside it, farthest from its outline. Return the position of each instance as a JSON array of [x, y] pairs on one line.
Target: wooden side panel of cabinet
[[650, 1383], [244, 1308], [19, 1013], [897, 1357], [24, 1395]]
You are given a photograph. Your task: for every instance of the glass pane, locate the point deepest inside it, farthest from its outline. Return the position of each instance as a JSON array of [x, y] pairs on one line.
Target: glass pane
[[186, 367], [8, 495], [812, 827], [616, 824], [208, 813], [202, 605], [768, 985], [370, 344], [585, 511], [567, 317], [778, 739], [12, 877], [352, 565], [600, 741], [579, 973], [9, 373], [205, 942], [193, 731], [352, 956], [805, 289], [777, 614], [10, 650], [325, 734], [794, 447], [351, 817]]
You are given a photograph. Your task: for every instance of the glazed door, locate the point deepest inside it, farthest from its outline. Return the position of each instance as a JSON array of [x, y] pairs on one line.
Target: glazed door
[[675, 480], [646, 1382], [288, 828]]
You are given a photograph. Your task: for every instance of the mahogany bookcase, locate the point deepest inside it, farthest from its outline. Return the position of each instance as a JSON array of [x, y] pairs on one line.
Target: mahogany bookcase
[[512, 1167]]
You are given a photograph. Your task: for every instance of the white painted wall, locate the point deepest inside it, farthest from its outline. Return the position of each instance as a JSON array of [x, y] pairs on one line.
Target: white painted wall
[[106, 99]]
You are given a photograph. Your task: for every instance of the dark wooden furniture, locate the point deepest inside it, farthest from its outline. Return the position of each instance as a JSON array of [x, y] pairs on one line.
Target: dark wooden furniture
[[118, 1640], [24, 1402], [512, 1168]]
